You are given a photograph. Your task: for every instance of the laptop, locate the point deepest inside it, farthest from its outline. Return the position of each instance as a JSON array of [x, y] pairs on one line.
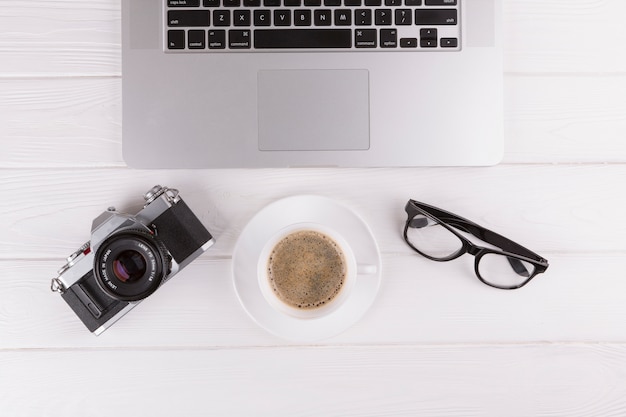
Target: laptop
[[295, 83]]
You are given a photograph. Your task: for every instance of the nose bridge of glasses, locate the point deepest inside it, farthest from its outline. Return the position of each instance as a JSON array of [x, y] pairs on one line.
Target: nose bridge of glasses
[[473, 249]]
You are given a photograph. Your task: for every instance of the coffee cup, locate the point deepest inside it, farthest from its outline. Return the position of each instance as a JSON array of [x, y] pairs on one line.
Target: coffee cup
[[308, 270]]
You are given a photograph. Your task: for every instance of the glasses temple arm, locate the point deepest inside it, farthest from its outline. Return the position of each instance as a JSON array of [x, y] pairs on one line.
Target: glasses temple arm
[[494, 238], [476, 230]]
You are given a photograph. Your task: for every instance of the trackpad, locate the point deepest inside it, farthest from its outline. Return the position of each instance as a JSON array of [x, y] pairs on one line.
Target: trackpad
[[313, 110]]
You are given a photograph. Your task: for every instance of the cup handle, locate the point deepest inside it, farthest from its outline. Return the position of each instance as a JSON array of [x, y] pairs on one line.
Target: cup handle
[[366, 269]]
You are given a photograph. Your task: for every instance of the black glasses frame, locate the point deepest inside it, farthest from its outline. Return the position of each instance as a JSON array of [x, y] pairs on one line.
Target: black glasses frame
[[514, 252]]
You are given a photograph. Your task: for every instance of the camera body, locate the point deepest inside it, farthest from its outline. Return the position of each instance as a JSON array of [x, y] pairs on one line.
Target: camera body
[[129, 257]]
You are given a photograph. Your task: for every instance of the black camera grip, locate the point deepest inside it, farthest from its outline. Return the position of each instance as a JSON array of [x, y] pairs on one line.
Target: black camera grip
[[181, 231]]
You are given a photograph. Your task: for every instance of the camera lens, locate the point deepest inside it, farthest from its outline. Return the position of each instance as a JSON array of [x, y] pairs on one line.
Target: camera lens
[[130, 265]]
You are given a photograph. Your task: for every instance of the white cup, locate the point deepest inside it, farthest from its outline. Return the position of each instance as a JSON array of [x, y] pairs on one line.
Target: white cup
[[353, 270]]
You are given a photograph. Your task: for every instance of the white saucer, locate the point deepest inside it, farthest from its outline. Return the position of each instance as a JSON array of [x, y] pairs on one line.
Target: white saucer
[[304, 209]]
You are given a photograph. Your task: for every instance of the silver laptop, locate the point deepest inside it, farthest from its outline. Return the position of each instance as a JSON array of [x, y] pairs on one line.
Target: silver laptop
[[277, 83]]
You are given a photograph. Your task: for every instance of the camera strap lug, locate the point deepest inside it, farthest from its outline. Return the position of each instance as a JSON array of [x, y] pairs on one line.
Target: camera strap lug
[[171, 195], [57, 286]]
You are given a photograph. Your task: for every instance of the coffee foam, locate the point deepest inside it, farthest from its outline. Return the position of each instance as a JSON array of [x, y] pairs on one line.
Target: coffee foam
[[306, 269]]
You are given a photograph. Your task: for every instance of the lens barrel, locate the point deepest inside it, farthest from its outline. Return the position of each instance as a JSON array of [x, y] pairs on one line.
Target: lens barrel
[[130, 265]]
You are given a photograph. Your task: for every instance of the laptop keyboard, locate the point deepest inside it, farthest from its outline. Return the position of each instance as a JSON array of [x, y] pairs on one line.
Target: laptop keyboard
[[271, 25]]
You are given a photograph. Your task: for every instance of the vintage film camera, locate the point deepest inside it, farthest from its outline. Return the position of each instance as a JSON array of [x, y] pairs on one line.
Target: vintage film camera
[[129, 257]]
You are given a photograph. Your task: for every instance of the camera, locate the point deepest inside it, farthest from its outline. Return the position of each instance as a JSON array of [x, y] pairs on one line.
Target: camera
[[129, 257]]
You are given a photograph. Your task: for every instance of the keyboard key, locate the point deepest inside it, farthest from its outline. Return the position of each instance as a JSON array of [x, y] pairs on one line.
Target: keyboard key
[[239, 39], [440, 2], [282, 18], [302, 18], [432, 17], [262, 18], [408, 42], [404, 17], [382, 17], [186, 18], [175, 39], [449, 42], [388, 38], [241, 18], [183, 3], [363, 17], [428, 34], [365, 38], [196, 39], [217, 39], [343, 17], [286, 24], [302, 38], [322, 17], [221, 17]]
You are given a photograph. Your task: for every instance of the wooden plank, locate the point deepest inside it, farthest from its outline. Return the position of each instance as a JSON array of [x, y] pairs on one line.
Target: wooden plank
[[565, 119], [581, 298], [83, 38], [555, 36], [77, 122], [435, 343], [551, 208], [526, 380], [60, 122], [59, 39]]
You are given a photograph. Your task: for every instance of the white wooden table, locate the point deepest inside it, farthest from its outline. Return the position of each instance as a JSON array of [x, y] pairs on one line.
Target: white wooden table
[[436, 342]]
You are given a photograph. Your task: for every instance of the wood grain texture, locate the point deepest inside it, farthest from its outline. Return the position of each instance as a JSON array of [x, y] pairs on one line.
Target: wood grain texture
[[47, 123], [552, 36], [561, 119], [436, 342], [581, 298], [60, 38], [516, 381], [52, 122], [76, 122], [550, 208], [48, 38]]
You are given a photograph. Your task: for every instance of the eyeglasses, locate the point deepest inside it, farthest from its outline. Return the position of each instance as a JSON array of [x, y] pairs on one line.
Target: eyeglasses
[[435, 234]]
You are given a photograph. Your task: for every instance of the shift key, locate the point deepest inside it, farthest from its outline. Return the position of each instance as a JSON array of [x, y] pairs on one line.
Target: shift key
[[431, 17], [188, 18]]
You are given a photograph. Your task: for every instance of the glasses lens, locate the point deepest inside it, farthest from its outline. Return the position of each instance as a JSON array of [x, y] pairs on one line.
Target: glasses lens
[[503, 271], [432, 239]]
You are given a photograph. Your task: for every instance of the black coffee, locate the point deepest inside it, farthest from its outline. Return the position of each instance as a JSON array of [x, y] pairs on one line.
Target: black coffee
[[306, 269]]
